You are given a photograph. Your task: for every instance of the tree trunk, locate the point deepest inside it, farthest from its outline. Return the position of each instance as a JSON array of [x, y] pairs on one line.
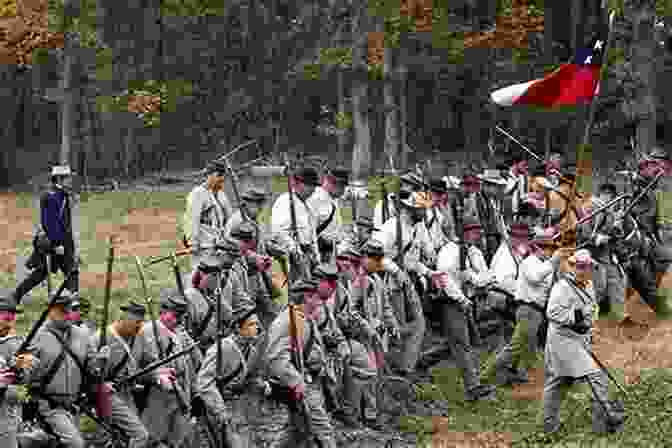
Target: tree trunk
[[70, 85], [392, 146], [342, 137], [361, 154], [403, 115], [643, 59]]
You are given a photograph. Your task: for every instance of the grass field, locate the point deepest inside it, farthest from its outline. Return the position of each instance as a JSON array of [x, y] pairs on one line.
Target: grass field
[[146, 225]]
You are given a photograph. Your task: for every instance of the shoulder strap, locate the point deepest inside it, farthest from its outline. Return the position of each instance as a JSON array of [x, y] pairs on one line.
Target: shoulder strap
[[236, 372], [114, 372], [49, 376], [206, 320], [326, 223], [68, 350]]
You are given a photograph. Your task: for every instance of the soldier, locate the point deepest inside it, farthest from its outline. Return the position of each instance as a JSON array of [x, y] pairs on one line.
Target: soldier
[[408, 183], [166, 416], [538, 268], [76, 314], [208, 210], [361, 232], [56, 246], [516, 187], [571, 310], [457, 322], [254, 200], [258, 269], [304, 388], [325, 202], [608, 280], [650, 212], [304, 183], [230, 279], [489, 209], [233, 396], [406, 302], [366, 316], [439, 212], [126, 354], [66, 356], [279, 270], [10, 410]]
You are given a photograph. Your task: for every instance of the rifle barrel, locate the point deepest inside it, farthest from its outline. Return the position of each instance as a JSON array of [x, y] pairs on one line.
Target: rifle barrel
[[158, 363]]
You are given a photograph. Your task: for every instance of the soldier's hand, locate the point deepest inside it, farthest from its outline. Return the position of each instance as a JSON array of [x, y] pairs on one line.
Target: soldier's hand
[[600, 239], [297, 392], [7, 377], [24, 360], [466, 305]]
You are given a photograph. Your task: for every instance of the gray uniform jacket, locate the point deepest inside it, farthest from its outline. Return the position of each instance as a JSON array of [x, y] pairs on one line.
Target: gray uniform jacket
[[566, 354], [278, 354], [9, 404], [127, 356], [237, 365], [69, 378]]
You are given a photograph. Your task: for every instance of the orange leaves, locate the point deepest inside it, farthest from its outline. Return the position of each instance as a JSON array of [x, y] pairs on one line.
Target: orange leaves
[[511, 30], [376, 50], [144, 103], [421, 11], [22, 34]]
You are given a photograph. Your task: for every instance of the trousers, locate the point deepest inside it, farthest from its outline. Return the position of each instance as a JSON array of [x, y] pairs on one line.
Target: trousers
[[523, 349], [609, 290], [125, 416], [455, 329], [63, 424], [65, 263]]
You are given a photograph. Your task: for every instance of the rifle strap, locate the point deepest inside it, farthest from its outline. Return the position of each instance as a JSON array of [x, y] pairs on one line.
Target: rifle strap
[[66, 347], [328, 221], [206, 320], [114, 371], [49, 376]]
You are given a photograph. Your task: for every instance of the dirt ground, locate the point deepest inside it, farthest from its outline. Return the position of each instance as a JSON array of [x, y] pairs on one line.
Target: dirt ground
[[16, 224]]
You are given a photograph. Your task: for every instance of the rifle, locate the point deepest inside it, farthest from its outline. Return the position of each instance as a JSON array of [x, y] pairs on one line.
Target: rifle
[[156, 364], [294, 228], [179, 253], [155, 330], [459, 229], [106, 304], [23, 348]]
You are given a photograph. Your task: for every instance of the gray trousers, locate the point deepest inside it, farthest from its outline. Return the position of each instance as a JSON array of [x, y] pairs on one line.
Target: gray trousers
[[609, 290], [555, 389], [455, 329], [319, 417], [63, 424], [524, 344], [8, 438], [125, 416]]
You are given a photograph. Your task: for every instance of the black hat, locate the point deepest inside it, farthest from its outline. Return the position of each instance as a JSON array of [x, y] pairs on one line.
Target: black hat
[[326, 271], [134, 311], [245, 231], [308, 175], [212, 263], [341, 174], [254, 195], [65, 298], [349, 250], [171, 299], [242, 314], [527, 209], [366, 221], [413, 180], [229, 246], [438, 185], [373, 248], [298, 290], [7, 302], [216, 166]]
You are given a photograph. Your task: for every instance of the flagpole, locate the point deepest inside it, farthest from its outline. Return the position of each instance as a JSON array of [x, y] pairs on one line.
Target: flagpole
[[593, 102]]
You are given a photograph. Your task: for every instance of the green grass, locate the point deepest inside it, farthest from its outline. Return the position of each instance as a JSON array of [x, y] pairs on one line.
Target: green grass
[[649, 425]]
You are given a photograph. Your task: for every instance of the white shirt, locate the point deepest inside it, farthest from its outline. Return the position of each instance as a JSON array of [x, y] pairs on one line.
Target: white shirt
[[281, 221], [449, 262], [378, 210], [416, 235], [535, 281], [322, 204]]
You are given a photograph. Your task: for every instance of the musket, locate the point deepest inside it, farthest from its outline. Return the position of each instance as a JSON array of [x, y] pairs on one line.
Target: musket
[[178, 276], [179, 253], [155, 330], [219, 379], [156, 364], [108, 292], [294, 229], [236, 149], [594, 213], [38, 324]]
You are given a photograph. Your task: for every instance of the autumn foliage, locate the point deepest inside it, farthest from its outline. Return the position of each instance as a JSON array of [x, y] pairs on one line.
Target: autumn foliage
[[511, 30], [23, 28]]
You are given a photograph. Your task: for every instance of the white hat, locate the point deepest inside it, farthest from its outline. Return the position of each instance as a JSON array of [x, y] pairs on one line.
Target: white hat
[[492, 176], [61, 170], [452, 182]]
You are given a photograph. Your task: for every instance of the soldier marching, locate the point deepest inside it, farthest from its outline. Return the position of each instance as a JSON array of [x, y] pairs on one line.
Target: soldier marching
[[281, 334]]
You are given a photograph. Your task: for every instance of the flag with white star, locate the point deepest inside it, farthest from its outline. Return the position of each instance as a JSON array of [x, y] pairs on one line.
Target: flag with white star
[[571, 84]]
